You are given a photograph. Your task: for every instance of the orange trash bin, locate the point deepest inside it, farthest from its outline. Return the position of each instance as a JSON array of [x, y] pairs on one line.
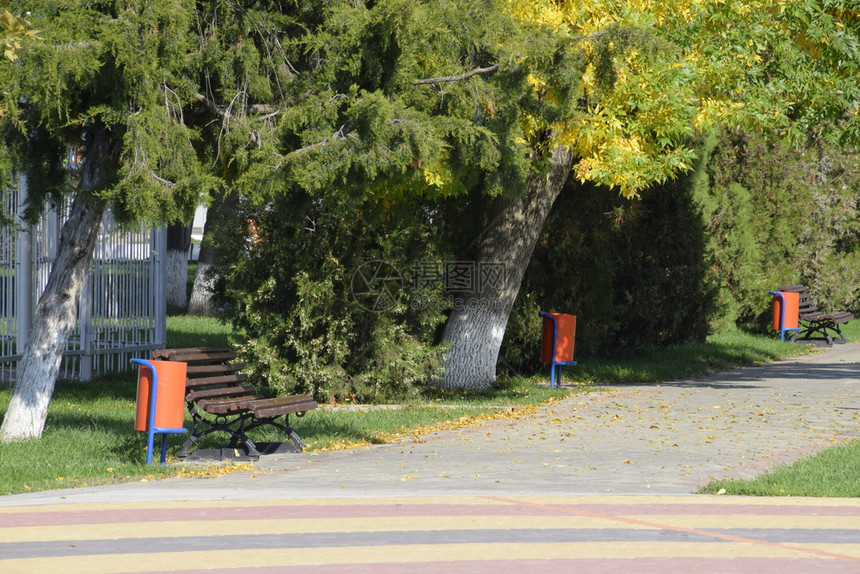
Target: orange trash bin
[[160, 388], [170, 397], [786, 312], [558, 347], [788, 320], [559, 335]]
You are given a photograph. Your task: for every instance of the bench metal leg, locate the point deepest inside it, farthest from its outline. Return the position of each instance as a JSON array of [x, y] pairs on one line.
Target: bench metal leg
[[238, 429]]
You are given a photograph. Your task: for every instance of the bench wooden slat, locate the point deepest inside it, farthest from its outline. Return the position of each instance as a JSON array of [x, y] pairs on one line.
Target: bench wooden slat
[[227, 406], [225, 392], [283, 406], [193, 357], [163, 353], [194, 370], [216, 381]]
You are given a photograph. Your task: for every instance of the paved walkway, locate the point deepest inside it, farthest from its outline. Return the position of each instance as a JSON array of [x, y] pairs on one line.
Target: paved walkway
[[600, 483]]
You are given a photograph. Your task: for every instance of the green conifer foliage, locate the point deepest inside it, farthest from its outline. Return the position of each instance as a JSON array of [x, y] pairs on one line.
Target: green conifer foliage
[[779, 215], [323, 289]]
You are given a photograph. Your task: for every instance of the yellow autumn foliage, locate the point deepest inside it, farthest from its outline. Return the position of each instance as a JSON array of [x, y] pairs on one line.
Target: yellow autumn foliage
[[13, 29], [632, 133]]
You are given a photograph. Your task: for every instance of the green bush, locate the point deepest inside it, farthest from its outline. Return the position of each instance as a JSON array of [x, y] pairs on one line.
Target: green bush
[[291, 278], [777, 215]]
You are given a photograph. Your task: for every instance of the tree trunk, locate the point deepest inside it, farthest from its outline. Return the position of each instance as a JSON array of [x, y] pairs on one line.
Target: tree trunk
[[201, 303], [477, 323], [178, 243], [56, 313]]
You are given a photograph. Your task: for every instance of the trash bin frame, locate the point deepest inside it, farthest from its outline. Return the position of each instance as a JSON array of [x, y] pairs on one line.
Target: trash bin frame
[[782, 307], [151, 429], [555, 365]]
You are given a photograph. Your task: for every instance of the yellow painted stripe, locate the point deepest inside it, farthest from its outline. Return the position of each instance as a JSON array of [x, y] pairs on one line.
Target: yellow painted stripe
[[251, 503], [387, 554], [113, 531], [689, 500], [466, 500]]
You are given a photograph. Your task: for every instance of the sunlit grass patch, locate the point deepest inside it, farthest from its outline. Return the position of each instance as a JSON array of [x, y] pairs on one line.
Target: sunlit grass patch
[[834, 472]]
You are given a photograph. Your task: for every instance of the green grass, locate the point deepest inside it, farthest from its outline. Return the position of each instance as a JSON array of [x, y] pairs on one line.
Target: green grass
[[186, 331], [89, 438], [834, 472]]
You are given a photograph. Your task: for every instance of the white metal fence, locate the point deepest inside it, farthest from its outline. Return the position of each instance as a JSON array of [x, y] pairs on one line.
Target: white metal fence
[[122, 311]]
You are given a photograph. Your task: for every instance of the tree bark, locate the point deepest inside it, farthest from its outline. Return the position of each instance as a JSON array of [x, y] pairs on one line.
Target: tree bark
[[477, 323], [178, 243], [56, 312], [201, 303]]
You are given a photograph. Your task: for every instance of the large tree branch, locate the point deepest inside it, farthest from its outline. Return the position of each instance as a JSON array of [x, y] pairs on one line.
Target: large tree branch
[[337, 136], [465, 76], [215, 107], [222, 111]]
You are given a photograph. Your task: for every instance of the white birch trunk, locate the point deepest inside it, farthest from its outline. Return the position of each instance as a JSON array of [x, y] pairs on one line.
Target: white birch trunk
[[55, 314], [477, 326]]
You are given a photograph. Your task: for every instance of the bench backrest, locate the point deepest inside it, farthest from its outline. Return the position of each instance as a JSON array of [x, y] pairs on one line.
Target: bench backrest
[[212, 372], [807, 303]]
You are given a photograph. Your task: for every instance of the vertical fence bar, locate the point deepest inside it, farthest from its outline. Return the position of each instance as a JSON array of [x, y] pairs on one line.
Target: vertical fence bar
[[10, 295], [24, 272], [158, 294]]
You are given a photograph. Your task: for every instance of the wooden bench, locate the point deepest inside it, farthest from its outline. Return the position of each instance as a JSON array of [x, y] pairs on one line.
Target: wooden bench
[[813, 320], [220, 400]]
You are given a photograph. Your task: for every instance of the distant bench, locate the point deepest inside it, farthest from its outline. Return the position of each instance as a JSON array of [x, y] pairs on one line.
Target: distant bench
[[220, 400], [813, 320]]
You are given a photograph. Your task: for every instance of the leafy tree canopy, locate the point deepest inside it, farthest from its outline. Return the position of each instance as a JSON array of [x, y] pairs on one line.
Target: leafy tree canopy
[[439, 97], [655, 71], [14, 30]]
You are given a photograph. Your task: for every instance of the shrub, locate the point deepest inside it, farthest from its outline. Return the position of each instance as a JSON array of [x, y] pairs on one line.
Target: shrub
[[292, 278]]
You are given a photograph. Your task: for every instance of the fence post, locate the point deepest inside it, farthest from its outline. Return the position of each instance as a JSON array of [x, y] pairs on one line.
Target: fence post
[[159, 274], [24, 271], [85, 319]]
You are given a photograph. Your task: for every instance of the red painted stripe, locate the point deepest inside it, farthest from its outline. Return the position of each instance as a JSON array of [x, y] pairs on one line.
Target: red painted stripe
[[277, 512], [589, 565], [288, 511]]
